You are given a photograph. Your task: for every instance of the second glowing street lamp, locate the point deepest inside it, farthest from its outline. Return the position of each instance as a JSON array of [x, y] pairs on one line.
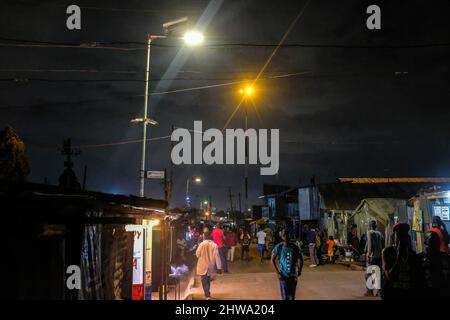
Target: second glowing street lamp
[[191, 38]]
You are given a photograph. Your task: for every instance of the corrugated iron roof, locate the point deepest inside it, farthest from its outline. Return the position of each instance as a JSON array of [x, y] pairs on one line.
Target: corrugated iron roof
[[347, 196]]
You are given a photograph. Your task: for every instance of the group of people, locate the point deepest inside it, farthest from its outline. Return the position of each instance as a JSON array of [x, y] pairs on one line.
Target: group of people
[[216, 247], [319, 244], [402, 273], [405, 274]]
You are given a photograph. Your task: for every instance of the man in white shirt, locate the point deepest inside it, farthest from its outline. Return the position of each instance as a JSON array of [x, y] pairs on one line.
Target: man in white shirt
[[261, 235], [208, 255]]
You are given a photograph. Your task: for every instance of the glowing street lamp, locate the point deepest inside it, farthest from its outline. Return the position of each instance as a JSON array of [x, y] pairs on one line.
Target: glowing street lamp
[[248, 91], [193, 38]]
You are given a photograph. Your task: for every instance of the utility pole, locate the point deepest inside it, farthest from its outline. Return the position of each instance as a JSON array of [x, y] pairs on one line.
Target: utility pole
[[69, 179], [166, 188], [84, 177], [68, 151], [164, 238], [145, 120], [240, 203], [246, 160], [171, 168], [231, 204]]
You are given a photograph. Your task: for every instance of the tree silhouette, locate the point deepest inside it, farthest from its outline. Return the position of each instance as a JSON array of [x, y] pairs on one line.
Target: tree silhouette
[[13, 163]]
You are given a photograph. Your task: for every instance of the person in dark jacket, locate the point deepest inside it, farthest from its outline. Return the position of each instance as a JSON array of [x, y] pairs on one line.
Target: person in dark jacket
[[437, 261], [312, 245], [401, 267]]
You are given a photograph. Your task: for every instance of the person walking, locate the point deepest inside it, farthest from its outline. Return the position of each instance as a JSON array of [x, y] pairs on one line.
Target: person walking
[[207, 254], [400, 267], [311, 239], [231, 242], [439, 229], [330, 249], [353, 240], [261, 235], [269, 242], [290, 265], [245, 240], [438, 259], [182, 245], [206, 229], [219, 239], [320, 241], [374, 248]]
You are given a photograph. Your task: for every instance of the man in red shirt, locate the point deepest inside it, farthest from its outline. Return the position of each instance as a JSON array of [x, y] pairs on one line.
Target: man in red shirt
[[218, 238], [230, 243]]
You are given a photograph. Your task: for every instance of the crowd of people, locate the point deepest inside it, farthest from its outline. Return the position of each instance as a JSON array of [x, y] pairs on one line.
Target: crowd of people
[[402, 273], [405, 274], [215, 248]]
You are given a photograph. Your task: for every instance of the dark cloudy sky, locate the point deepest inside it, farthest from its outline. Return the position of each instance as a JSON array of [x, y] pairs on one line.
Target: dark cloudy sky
[[367, 107]]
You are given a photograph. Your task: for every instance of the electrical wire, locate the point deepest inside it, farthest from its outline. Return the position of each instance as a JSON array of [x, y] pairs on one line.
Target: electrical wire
[[69, 71], [296, 75], [101, 145], [115, 45], [25, 79]]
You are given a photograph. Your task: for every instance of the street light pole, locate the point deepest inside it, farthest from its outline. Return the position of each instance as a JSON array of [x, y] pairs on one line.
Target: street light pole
[[246, 159], [187, 193], [191, 38], [247, 92], [194, 179], [144, 122]]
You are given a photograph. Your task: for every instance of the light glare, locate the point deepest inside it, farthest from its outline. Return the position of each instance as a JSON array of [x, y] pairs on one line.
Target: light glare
[[193, 38]]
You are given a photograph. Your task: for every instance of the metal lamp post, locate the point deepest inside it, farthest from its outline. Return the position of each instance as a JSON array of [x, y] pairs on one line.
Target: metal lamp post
[[247, 92], [194, 179], [191, 38]]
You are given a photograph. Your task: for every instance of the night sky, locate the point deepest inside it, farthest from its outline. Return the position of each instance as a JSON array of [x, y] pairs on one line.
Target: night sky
[[362, 102]]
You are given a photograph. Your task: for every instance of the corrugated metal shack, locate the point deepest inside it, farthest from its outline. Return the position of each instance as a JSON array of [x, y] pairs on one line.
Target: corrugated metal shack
[[45, 229]]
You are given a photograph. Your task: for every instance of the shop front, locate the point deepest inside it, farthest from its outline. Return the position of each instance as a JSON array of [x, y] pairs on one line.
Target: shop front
[[422, 208]]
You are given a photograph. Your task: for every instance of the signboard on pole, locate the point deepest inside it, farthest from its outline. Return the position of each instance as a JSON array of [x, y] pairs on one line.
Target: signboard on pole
[[154, 174], [138, 263], [443, 212]]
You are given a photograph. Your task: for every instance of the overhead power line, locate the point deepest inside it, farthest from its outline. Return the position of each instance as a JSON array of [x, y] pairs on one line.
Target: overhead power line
[[86, 146], [25, 79], [137, 45], [291, 141]]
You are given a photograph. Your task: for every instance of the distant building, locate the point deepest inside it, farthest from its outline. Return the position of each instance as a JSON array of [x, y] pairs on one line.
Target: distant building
[[281, 206], [332, 206], [276, 204]]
